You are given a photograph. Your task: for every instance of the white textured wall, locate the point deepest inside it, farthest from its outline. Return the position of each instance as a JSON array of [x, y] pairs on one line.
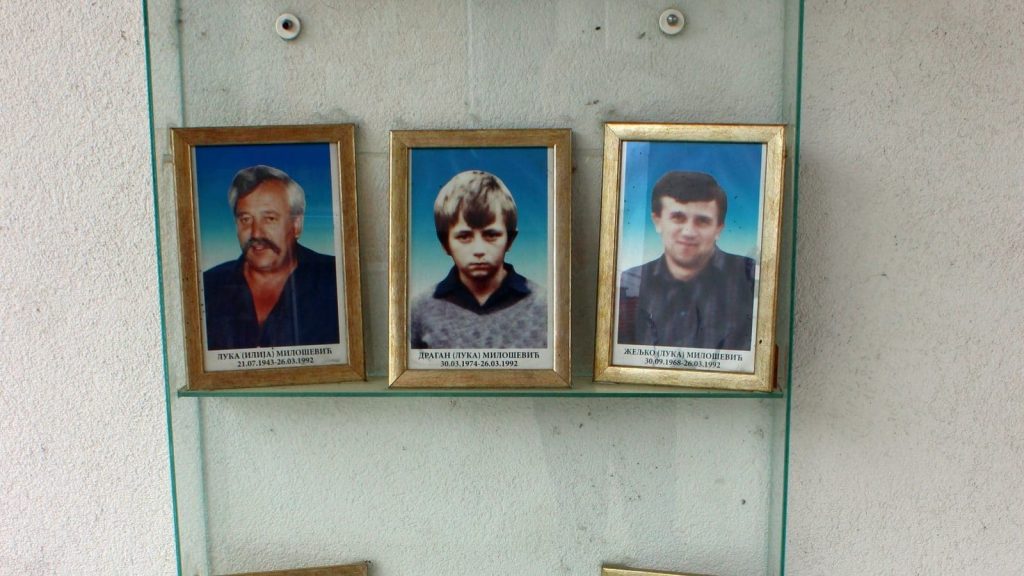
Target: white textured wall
[[908, 429], [908, 438], [83, 451]]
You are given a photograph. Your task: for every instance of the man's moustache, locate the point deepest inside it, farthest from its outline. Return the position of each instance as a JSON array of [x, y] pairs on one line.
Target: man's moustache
[[252, 242]]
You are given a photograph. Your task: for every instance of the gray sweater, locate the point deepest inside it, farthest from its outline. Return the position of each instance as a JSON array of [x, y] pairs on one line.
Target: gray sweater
[[440, 323]]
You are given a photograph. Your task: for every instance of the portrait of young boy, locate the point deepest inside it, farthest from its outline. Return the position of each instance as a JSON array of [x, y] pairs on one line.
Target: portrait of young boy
[[482, 301], [479, 258], [480, 264]]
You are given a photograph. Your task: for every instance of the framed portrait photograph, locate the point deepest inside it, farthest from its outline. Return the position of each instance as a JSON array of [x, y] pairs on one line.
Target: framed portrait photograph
[[690, 223], [269, 255], [479, 254], [620, 571], [346, 570]]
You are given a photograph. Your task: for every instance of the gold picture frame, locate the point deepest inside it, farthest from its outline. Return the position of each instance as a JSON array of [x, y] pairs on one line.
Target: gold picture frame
[[689, 255], [620, 571], [260, 308], [345, 570], [445, 331]]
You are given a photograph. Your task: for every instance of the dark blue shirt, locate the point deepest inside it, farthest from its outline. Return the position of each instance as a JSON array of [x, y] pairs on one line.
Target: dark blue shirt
[[714, 310], [306, 312], [511, 290]]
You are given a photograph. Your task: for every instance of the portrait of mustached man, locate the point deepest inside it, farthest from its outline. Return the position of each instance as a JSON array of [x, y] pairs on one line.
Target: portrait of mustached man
[[277, 292]]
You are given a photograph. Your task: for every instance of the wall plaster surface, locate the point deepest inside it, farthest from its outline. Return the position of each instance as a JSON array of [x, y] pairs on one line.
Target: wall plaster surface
[[908, 429], [83, 453], [908, 437]]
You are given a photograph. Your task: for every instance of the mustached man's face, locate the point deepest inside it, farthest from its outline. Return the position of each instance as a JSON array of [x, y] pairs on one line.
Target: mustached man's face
[[267, 232], [478, 253]]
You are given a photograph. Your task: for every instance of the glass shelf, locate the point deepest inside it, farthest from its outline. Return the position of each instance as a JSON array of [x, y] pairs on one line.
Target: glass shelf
[[466, 481], [378, 388]]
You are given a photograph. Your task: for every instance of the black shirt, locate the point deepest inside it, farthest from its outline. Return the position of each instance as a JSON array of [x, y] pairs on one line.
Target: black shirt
[[306, 312], [714, 310], [512, 289]]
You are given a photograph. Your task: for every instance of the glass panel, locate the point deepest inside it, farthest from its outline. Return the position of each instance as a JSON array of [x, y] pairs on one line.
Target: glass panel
[[378, 388], [791, 90], [468, 481], [487, 485]]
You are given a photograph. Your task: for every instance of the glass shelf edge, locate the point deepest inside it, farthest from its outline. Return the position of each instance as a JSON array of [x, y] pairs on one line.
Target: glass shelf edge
[[376, 387]]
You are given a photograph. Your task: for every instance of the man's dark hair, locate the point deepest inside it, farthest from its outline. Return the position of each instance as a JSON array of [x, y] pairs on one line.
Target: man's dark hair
[[689, 187]]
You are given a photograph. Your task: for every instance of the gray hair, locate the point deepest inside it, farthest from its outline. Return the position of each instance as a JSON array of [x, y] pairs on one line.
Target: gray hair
[[247, 179]]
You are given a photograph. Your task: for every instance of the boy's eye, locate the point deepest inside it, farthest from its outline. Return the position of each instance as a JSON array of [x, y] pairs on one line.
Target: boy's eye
[[462, 236]]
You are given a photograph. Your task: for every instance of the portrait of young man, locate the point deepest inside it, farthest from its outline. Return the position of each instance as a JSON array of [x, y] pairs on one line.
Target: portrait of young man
[[269, 274], [692, 219], [479, 257]]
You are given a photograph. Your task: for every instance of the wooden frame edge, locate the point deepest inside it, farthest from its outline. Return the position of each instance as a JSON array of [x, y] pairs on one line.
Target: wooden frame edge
[[773, 137], [183, 141], [559, 140]]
